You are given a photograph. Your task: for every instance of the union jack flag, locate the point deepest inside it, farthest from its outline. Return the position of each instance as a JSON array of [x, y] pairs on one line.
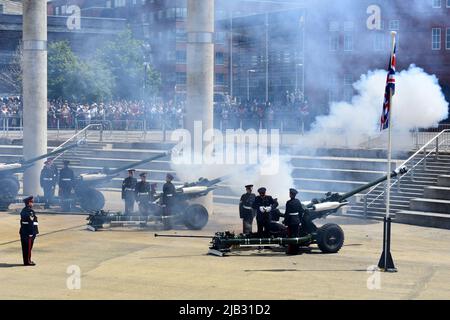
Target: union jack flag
[[389, 92]]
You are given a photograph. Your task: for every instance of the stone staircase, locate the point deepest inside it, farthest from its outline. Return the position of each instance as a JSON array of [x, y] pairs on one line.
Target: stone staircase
[[420, 194], [432, 209]]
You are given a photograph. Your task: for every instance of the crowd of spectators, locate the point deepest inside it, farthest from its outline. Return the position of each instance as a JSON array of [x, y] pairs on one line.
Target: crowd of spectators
[[230, 113]]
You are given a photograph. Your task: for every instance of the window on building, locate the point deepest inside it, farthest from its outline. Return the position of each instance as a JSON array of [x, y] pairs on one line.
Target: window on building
[[181, 13], [448, 4], [219, 58], [394, 25], [219, 79], [379, 41], [108, 4], [170, 13], [447, 39], [333, 89], [436, 39], [181, 35], [349, 26], [348, 41], [181, 57], [160, 14], [334, 26], [220, 37], [57, 11], [119, 3], [437, 3], [181, 78], [63, 10], [334, 41]]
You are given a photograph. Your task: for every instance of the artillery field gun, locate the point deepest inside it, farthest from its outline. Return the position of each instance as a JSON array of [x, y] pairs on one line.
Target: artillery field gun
[[329, 237], [85, 194], [9, 183], [194, 216]]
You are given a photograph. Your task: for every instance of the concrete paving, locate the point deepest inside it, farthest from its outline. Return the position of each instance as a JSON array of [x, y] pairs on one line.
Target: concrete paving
[[133, 264]]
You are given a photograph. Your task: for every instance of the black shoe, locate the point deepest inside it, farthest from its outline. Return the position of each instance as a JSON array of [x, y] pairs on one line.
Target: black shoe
[[30, 264]]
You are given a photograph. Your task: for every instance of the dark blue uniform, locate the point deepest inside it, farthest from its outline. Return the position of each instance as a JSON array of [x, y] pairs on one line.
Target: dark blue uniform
[[264, 217], [48, 181], [143, 196], [292, 219], [246, 211], [168, 202], [66, 183], [128, 193], [28, 231]]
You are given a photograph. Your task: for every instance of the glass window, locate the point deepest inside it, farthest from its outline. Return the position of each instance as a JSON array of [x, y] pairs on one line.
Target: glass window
[[334, 26], [394, 25], [181, 78], [181, 13], [448, 3], [108, 4], [348, 41], [436, 3], [181, 57], [57, 11], [349, 26], [334, 41], [219, 79], [436, 39], [220, 37], [447, 39], [181, 35], [219, 58], [379, 41]]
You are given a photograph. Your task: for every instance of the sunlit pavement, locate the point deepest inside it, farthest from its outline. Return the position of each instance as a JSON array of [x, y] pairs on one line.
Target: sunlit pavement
[[133, 264]]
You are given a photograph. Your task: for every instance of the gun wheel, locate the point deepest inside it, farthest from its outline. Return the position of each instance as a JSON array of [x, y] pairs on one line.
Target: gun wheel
[[91, 200], [195, 217], [9, 188], [330, 238]]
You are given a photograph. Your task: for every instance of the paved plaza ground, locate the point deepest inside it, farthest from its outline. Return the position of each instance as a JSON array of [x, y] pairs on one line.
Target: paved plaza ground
[[133, 264]]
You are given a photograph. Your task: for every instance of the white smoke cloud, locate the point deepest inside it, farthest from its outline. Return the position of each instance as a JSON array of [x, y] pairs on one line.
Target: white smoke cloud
[[418, 102]]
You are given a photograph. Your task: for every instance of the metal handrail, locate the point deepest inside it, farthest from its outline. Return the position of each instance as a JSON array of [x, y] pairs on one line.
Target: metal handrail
[[83, 131], [405, 163]]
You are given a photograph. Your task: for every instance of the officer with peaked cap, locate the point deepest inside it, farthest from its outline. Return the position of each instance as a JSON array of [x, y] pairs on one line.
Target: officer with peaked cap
[[263, 206], [66, 184], [246, 211], [128, 191], [292, 219], [143, 194], [28, 230], [168, 200], [48, 182]]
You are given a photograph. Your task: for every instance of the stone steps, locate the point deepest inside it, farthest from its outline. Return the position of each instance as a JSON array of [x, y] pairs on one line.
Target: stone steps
[[422, 218], [430, 205]]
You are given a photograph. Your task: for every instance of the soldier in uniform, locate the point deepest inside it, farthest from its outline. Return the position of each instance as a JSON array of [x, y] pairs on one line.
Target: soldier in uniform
[[66, 182], [128, 191], [143, 194], [168, 200], [28, 230], [48, 182], [292, 218], [263, 205], [246, 212]]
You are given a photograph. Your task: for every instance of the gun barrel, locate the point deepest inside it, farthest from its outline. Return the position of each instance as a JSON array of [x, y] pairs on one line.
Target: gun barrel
[[397, 172], [136, 164], [181, 236], [49, 154], [261, 241]]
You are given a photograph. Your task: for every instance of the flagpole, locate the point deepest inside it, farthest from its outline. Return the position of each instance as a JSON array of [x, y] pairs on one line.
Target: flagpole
[[386, 262]]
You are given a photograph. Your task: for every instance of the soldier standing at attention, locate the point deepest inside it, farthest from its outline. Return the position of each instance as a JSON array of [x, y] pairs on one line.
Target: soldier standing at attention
[[66, 181], [48, 182], [143, 194], [263, 205], [167, 200], [128, 191], [292, 218], [246, 212], [28, 230]]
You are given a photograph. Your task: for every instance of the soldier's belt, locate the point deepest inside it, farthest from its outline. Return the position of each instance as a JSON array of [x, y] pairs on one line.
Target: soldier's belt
[[129, 189], [246, 207], [47, 179], [24, 222], [294, 214], [169, 195], [142, 193], [36, 223], [66, 179]]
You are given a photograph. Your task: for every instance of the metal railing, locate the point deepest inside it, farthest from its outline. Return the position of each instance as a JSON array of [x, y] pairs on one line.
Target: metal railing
[[412, 163], [82, 133]]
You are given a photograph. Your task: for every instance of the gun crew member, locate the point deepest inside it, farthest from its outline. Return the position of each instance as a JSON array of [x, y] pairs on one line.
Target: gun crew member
[[66, 183], [263, 205], [143, 194], [292, 218], [48, 180], [246, 211], [28, 230], [168, 200], [128, 191]]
